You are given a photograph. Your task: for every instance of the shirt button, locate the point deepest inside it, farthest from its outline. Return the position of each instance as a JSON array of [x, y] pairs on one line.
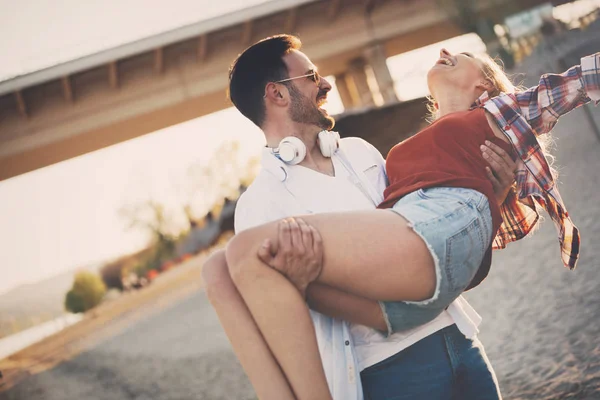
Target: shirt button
[[347, 343], [507, 127]]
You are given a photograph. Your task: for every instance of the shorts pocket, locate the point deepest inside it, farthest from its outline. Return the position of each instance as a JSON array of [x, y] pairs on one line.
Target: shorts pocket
[[464, 254]]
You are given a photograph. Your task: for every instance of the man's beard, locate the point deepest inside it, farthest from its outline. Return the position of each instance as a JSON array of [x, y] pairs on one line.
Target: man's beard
[[305, 111]]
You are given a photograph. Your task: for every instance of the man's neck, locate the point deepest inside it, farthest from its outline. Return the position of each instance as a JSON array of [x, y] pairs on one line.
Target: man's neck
[[316, 161]]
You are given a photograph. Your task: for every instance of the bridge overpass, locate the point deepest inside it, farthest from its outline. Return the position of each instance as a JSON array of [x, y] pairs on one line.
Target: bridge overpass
[[102, 99]]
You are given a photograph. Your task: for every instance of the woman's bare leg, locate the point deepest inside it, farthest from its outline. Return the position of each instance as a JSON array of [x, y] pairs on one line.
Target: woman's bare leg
[[252, 351], [250, 347], [282, 317], [372, 254]]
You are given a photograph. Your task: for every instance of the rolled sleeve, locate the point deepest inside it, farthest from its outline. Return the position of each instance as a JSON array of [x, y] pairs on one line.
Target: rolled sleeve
[[590, 75]]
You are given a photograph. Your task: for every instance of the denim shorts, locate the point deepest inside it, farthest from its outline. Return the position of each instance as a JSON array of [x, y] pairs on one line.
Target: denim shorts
[[456, 225]]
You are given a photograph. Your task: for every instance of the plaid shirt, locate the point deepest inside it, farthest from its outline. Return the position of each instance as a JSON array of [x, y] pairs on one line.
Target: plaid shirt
[[523, 116]]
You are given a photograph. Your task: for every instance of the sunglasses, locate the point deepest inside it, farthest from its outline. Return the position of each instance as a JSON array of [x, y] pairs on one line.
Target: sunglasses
[[313, 76]]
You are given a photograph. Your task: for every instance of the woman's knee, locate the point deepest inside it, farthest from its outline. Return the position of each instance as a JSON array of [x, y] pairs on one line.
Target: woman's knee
[[241, 254], [216, 278]]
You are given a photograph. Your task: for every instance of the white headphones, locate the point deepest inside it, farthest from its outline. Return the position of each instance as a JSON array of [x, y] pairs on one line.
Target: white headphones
[[292, 150]]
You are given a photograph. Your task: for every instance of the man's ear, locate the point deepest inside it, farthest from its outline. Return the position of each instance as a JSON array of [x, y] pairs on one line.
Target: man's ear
[[274, 93]]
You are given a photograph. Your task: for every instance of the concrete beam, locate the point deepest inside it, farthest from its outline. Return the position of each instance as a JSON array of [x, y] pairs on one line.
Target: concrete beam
[[67, 147], [247, 33], [21, 105], [202, 48], [369, 6], [67, 89], [145, 103], [159, 64], [150, 43], [113, 75], [421, 37], [334, 8], [346, 38], [291, 20]]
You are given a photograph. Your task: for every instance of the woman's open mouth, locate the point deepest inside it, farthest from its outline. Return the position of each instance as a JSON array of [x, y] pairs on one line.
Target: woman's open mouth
[[445, 61]]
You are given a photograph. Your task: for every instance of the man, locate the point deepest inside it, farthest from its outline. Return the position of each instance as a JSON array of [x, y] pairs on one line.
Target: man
[[277, 87]]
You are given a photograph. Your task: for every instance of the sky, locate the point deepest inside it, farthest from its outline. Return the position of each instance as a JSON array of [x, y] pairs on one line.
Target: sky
[[51, 32], [67, 215]]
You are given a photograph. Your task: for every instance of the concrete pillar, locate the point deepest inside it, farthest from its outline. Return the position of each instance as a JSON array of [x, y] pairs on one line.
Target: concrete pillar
[[342, 86], [376, 57], [358, 84]]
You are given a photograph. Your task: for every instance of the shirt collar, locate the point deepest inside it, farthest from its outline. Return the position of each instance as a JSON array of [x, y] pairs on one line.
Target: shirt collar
[[481, 100]]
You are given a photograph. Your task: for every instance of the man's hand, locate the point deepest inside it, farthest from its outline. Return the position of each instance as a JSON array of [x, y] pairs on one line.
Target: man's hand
[[298, 254], [502, 172]]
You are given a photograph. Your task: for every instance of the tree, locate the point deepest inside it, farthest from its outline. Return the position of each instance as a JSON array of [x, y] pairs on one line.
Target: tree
[[86, 293], [153, 217], [209, 183], [202, 190]]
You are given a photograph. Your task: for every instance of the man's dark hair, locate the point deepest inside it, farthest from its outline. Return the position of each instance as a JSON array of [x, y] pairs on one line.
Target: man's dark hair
[[258, 65]]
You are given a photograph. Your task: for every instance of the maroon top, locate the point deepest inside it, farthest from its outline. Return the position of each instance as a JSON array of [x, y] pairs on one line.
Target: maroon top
[[446, 154]]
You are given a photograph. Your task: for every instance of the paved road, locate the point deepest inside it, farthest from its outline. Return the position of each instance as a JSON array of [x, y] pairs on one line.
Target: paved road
[[179, 353], [541, 322]]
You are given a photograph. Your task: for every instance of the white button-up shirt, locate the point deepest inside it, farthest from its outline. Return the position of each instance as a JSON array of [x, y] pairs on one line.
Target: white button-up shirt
[[281, 191]]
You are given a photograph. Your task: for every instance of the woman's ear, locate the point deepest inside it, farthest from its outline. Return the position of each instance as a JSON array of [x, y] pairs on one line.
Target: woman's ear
[[485, 84]]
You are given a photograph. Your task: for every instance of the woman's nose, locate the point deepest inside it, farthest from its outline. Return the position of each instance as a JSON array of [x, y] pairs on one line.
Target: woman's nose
[[444, 53]]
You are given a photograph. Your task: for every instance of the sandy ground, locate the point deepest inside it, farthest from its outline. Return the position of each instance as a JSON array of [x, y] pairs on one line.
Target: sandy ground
[[541, 322]]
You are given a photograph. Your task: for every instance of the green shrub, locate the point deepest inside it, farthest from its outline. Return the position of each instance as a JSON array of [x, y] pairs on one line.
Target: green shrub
[[74, 302], [87, 292]]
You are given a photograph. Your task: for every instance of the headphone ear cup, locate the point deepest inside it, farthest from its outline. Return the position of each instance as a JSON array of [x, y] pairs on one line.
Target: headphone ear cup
[[291, 150], [329, 142]]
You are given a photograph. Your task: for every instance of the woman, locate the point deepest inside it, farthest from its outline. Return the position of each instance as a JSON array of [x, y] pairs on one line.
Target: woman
[[438, 240]]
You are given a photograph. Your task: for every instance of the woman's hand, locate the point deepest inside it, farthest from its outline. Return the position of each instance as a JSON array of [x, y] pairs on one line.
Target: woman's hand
[[298, 255], [502, 171]]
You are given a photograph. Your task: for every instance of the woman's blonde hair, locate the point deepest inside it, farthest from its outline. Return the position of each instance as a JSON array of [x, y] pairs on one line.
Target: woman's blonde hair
[[493, 71]]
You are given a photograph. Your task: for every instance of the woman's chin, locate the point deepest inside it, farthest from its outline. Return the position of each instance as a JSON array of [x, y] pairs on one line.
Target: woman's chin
[[435, 73], [437, 78]]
